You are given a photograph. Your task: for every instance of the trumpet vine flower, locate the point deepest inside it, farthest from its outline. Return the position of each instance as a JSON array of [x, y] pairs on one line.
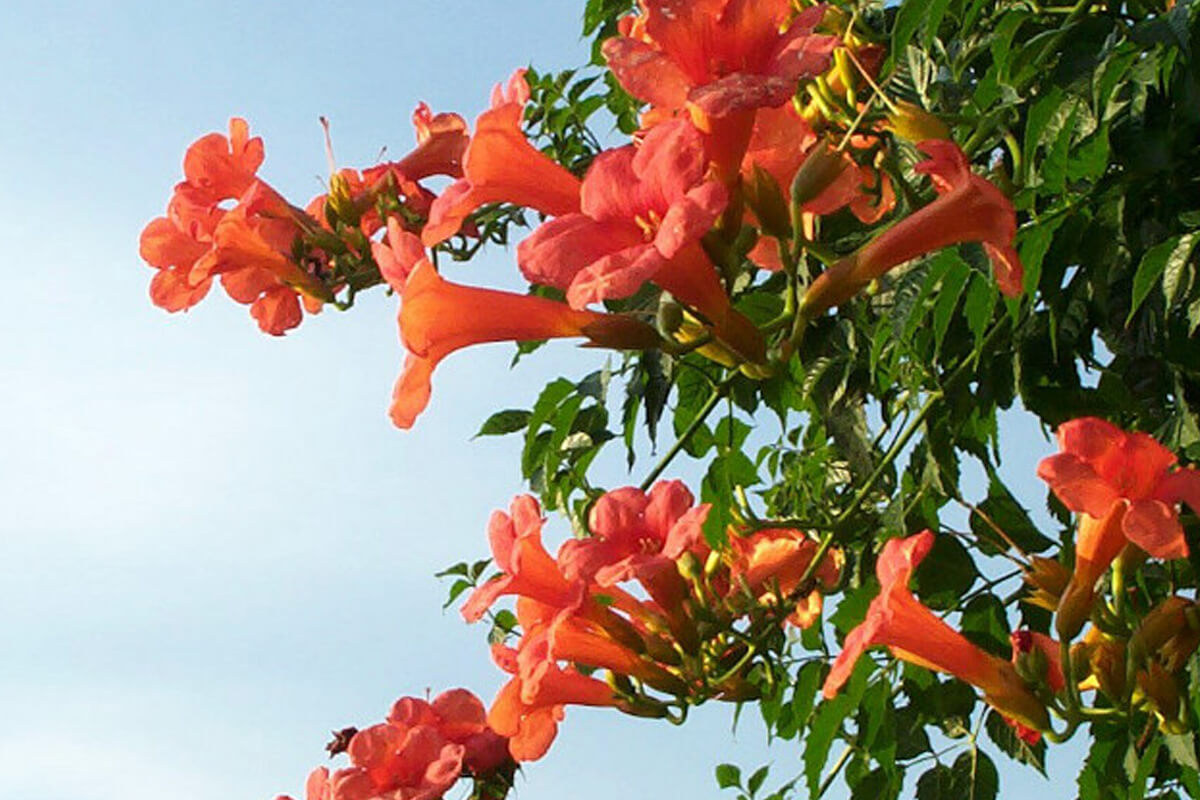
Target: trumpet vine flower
[[969, 209], [913, 633]]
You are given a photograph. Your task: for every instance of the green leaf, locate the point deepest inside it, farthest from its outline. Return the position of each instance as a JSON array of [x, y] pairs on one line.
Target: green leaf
[[938, 784], [976, 776], [978, 306], [755, 782], [729, 775], [985, 623], [1171, 254], [1005, 738], [947, 296], [878, 784], [1145, 766], [459, 586], [946, 574], [1182, 748], [1002, 509], [503, 422]]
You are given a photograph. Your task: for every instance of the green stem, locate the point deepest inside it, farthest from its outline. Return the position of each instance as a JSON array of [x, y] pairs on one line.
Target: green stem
[[721, 389], [833, 773]]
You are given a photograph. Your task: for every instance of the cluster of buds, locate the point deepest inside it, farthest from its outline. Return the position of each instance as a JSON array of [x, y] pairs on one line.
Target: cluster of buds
[[672, 621]]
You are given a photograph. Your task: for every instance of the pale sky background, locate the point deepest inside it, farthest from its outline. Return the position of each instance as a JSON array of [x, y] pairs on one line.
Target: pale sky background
[[214, 547]]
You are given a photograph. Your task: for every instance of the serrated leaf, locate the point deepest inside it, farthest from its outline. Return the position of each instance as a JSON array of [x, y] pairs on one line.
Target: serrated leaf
[[1171, 254], [938, 784], [1003, 511], [975, 776], [978, 306], [947, 296], [1005, 738], [1182, 747], [1145, 765], [946, 574], [505, 422]]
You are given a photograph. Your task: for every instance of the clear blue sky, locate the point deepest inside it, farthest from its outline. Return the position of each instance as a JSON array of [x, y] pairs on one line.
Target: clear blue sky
[[214, 547]]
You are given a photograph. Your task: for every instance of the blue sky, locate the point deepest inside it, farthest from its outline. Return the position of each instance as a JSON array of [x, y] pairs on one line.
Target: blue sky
[[214, 546]]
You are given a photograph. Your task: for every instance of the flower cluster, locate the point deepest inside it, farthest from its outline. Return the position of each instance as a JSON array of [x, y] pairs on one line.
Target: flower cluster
[[723, 138], [762, 124], [645, 598], [419, 753]]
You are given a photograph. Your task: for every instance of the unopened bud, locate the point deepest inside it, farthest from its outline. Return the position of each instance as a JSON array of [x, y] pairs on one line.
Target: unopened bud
[[915, 124], [669, 317], [820, 169], [1074, 608], [341, 200], [765, 199], [1032, 665]]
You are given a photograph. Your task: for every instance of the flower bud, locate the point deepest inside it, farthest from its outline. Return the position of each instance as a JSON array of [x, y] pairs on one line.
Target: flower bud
[[765, 199], [820, 169], [915, 124]]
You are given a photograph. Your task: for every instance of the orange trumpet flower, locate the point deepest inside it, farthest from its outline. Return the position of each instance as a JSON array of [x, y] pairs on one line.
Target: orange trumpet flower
[[914, 633], [438, 317], [501, 166], [970, 209]]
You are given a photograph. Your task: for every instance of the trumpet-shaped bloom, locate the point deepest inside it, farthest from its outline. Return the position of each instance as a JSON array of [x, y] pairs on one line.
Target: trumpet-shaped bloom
[[173, 245], [441, 143], [418, 754], [438, 317], [721, 60], [969, 209], [1102, 468], [529, 718], [216, 167], [643, 213], [528, 570], [914, 633], [249, 247], [780, 144], [723, 56], [769, 563], [639, 536], [501, 166], [633, 531]]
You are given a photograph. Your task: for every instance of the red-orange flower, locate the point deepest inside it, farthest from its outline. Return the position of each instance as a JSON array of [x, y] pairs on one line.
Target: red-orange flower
[[249, 247], [1124, 490], [438, 317], [500, 165], [643, 212], [529, 715], [723, 56], [1102, 467], [770, 563], [721, 60], [215, 168], [970, 209], [441, 143], [418, 754], [914, 633], [640, 536], [528, 570]]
